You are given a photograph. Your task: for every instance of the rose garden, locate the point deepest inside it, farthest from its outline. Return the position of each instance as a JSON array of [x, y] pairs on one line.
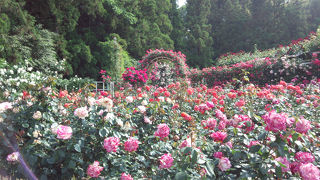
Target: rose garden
[[255, 118]]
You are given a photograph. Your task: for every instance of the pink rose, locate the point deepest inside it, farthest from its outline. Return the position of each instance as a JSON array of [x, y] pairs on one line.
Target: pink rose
[[5, 106], [81, 112], [147, 120], [131, 144], [211, 123], [220, 115], [295, 166], [111, 144], [275, 121], [285, 162], [304, 157], [64, 132], [13, 157], [125, 176], [166, 161], [186, 143], [303, 125], [129, 99], [218, 155], [219, 136], [94, 169], [309, 172], [224, 164], [162, 131], [253, 143]]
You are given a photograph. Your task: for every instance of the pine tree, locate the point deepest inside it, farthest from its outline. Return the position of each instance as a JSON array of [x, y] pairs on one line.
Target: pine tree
[[199, 37]]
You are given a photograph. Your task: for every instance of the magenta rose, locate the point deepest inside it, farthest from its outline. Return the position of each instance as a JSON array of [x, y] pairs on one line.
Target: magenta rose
[[94, 169], [111, 144], [166, 161], [131, 144], [64, 132]]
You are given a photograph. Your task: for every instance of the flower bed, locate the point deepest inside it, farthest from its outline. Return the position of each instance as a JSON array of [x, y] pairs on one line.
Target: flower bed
[[169, 132]]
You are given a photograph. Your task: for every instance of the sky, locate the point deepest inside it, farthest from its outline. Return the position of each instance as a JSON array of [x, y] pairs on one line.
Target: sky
[[181, 2]]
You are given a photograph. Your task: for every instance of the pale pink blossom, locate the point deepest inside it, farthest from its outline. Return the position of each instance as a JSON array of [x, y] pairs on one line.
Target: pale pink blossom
[[5, 106], [303, 125], [81, 112], [142, 109], [13, 157], [147, 120], [125, 176], [111, 144], [94, 169], [37, 115], [309, 172], [285, 162], [166, 161], [162, 131], [224, 164], [220, 115], [129, 99], [131, 144], [64, 132], [211, 123]]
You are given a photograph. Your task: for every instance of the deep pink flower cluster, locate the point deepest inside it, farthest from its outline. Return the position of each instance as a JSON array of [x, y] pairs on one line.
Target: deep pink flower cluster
[[94, 169], [304, 157], [125, 176], [275, 121], [219, 136], [242, 121], [131, 144], [162, 131], [111, 144], [166, 161], [210, 123], [133, 75]]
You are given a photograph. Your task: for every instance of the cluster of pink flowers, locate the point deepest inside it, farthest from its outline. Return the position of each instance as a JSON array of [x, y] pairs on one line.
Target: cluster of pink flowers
[[186, 143], [125, 176], [94, 169], [131, 144], [133, 75], [166, 161], [162, 131], [304, 157], [219, 136], [242, 121], [275, 121], [63, 132], [210, 123], [111, 144], [81, 112], [309, 171]]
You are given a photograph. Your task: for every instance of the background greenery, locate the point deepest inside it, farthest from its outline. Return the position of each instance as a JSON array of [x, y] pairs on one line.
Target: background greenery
[[85, 36]]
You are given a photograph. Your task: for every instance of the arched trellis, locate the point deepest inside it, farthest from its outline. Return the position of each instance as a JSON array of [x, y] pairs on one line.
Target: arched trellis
[[171, 64]]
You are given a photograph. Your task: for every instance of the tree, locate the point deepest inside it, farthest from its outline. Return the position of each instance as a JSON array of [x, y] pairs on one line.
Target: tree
[[199, 40]]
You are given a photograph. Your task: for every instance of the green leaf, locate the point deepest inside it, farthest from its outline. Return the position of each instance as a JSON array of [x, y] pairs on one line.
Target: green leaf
[[262, 136], [210, 167], [25, 125], [295, 136], [43, 177], [194, 156], [102, 132], [255, 148], [181, 176], [51, 160], [187, 150], [77, 148], [264, 169], [278, 172], [71, 164]]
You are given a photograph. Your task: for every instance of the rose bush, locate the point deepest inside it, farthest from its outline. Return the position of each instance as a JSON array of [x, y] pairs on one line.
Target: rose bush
[[168, 132]]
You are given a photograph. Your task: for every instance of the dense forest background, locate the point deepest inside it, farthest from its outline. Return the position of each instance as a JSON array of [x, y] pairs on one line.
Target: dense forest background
[[88, 35]]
